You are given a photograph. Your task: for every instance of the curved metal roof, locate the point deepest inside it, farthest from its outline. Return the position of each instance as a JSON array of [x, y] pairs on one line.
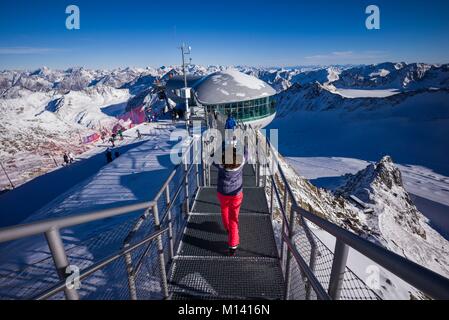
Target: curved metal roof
[[230, 86]]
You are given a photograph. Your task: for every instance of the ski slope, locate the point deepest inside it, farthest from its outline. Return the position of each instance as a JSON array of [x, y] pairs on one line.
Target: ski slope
[[136, 176], [61, 179]]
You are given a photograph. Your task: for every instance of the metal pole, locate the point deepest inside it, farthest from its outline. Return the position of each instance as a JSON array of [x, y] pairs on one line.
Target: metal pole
[[197, 173], [60, 259], [289, 254], [56, 164], [131, 276], [338, 269], [312, 267], [186, 187], [271, 197], [257, 162], [6, 174], [187, 113], [285, 204], [170, 224], [283, 208], [197, 158], [160, 248], [203, 158]]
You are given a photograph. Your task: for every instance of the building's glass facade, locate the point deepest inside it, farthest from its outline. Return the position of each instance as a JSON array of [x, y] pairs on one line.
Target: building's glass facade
[[247, 110]]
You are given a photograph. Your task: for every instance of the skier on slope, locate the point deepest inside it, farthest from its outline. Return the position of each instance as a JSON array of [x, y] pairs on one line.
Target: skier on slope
[[66, 159], [71, 157], [139, 135], [108, 155]]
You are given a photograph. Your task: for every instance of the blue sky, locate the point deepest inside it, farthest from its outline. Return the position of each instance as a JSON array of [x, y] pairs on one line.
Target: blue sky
[[259, 33]]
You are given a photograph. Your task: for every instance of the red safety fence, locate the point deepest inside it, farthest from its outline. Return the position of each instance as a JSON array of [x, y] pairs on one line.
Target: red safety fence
[[92, 138], [125, 121]]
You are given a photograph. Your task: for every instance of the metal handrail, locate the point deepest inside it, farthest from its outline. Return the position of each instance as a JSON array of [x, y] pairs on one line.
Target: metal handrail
[[161, 192], [60, 286], [36, 228], [425, 280], [132, 270], [51, 228], [428, 281], [321, 293]]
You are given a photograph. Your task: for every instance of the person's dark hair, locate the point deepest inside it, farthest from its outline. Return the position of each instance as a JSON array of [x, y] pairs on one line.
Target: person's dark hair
[[237, 159]]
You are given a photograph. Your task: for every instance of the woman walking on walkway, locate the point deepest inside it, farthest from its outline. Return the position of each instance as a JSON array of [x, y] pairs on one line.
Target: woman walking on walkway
[[230, 193]]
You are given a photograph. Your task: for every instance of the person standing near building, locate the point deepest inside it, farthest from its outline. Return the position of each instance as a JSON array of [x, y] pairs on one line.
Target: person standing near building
[[230, 122]]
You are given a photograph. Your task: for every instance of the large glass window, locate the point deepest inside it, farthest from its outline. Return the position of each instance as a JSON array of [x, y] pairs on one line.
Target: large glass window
[[248, 110]]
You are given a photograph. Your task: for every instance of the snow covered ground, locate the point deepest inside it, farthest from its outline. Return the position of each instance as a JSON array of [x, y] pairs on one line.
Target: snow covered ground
[[429, 190], [136, 176], [357, 93], [59, 179], [38, 127], [395, 223], [324, 136]]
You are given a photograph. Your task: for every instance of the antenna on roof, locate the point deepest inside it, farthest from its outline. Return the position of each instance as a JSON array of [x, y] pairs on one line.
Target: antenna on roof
[[186, 50]]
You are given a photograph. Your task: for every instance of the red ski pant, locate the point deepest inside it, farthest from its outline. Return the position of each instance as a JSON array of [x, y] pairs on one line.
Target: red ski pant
[[230, 209]]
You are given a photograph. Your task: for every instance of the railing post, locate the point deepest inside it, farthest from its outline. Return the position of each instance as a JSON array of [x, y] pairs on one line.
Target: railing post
[[6, 174], [186, 187], [170, 223], [60, 259], [208, 175], [272, 197], [160, 248], [338, 269], [257, 161], [312, 267], [131, 276], [197, 158], [291, 230], [203, 159], [283, 208]]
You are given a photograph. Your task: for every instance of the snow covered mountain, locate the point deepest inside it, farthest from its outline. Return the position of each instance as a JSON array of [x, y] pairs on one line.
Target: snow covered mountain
[[394, 222], [58, 105], [362, 114], [388, 75], [399, 76], [395, 108]]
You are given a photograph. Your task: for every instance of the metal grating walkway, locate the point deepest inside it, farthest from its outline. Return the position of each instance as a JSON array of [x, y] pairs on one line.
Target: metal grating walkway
[[254, 201], [202, 269]]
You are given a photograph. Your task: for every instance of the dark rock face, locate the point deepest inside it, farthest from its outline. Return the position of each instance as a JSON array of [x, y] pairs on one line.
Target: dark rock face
[[381, 185], [388, 173]]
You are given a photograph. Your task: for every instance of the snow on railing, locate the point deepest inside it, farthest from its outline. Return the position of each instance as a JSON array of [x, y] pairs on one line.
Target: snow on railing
[[311, 269]]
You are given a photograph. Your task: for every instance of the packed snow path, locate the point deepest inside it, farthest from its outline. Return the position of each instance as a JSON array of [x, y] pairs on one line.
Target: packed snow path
[[202, 269], [42, 190], [133, 178]]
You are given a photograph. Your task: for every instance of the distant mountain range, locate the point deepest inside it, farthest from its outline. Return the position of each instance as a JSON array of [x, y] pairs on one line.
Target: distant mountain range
[[54, 108]]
